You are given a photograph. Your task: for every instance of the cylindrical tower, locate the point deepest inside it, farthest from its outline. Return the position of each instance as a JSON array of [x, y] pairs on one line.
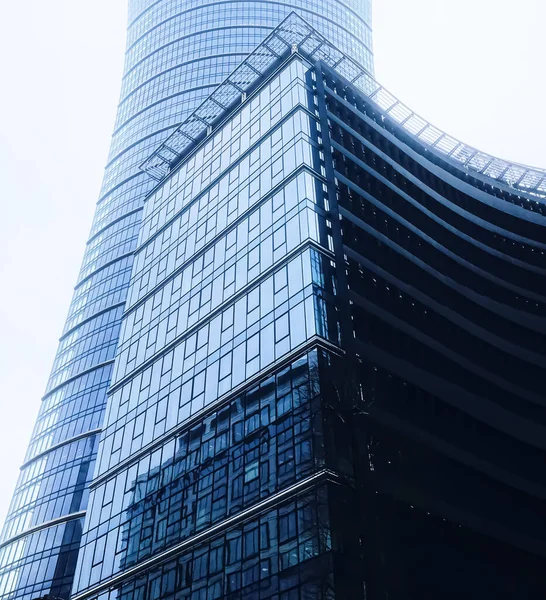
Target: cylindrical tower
[[177, 52]]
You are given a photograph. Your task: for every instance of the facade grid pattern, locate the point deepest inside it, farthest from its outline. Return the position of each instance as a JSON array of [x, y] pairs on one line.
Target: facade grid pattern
[[315, 301], [406, 370], [177, 53]]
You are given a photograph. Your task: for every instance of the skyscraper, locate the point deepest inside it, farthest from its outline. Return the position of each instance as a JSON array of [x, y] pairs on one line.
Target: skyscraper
[[328, 381], [329, 376], [177, 53]]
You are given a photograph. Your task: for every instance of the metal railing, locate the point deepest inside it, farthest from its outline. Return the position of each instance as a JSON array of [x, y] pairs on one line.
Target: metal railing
[[295, 32]]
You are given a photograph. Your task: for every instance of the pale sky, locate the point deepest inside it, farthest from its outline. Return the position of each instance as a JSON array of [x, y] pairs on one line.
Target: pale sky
[[474, 68]]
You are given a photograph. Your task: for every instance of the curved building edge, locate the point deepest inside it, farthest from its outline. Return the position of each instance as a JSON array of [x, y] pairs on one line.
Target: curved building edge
[[445, 278]]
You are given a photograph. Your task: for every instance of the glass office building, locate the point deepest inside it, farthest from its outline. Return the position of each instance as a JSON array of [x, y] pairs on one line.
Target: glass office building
[[328, 382], [329, 362], [177, 53]]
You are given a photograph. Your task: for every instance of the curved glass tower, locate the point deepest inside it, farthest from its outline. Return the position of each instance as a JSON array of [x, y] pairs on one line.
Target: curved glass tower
[[328, 383], [177, 53]]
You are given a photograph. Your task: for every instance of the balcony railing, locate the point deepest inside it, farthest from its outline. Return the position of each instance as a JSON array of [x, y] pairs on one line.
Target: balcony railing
[[294, 32]]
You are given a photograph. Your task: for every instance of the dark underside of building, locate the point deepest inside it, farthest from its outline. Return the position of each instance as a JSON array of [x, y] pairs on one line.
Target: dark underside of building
[[445, 292]]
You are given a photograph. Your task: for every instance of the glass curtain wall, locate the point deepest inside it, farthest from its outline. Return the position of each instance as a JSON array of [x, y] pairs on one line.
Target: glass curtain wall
[[177, 52]]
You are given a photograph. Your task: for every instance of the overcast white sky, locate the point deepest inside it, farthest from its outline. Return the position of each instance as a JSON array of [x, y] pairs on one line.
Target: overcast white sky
[[472, 67]]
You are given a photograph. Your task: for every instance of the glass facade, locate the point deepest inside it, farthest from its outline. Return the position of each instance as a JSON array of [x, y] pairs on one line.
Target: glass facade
[[328, 382], [177, 53], [205, 425], [320, 335]]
